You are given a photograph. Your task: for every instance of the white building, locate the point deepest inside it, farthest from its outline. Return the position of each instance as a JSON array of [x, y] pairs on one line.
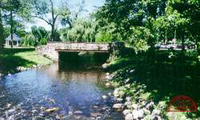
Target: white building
[[16, 40]]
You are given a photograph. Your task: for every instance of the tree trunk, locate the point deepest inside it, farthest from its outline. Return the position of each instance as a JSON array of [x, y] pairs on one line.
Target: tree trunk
[[183, 43], [1, 32], [11, 27], [166, 36], [52, 32], [175, 34]]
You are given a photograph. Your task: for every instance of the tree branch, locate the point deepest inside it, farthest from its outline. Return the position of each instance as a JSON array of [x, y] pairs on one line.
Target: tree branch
[[43, 19]]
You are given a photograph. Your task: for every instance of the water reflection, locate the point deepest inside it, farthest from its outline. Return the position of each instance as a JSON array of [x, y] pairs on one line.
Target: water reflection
[[76, 92]]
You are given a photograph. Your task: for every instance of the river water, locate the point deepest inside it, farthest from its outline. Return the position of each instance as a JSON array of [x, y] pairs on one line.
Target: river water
[[53, 92]]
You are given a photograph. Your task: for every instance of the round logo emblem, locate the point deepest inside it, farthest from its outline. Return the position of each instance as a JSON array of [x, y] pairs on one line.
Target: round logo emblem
[[182, 103]]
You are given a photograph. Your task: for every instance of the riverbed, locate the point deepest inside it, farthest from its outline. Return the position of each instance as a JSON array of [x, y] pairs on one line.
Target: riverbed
[[53, 92]]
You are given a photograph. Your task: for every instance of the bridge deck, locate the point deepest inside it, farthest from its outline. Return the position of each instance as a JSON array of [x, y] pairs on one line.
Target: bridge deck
[[77, 50]]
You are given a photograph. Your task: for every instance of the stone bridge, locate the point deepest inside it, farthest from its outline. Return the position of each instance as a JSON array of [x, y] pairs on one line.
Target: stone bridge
[[51, 50]]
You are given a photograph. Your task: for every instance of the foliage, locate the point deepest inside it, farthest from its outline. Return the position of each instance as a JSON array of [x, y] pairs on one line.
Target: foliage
[[164, 19], [82, 31], [108, 34], [29, 40], [139, 38], [40, 34]]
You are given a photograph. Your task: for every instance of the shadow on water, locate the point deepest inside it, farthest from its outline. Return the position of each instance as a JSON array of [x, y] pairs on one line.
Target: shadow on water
[[82, 60], [71, 86]]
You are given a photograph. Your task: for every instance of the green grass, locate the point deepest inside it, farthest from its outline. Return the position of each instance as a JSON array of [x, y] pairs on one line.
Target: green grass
[[11, 59]]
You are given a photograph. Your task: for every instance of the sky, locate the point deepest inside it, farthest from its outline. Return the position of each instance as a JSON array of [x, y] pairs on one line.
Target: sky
[[89, 5]]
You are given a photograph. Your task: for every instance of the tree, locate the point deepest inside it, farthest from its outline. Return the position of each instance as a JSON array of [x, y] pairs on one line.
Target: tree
[[40, 34], [12, 9], [67, 17], [190, 10], [1, 31], [44, 8]]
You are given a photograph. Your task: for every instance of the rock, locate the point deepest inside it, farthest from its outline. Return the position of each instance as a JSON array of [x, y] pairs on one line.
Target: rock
[[77, 117], [108, 77], [1, 74], [95, 107], [146, 111], [127, 80], [92, 118], [104, 108], [98, 118], [110, 94], [12, 117], [52, 100], [95, 114], [42, 114], [105, 97], [78, 112], [159, 118], [156, 112], [119, 99], [9, 105], [118, 106], [128, 99], [131, 71], [126, 112], [11, 111], [70, 113], [143, 103], [34, 66], [105, 65], [135, 106], [150, 105], [58, 117], [129, 117], [128, 104], [138, 114], [52, 110], [108, 84]]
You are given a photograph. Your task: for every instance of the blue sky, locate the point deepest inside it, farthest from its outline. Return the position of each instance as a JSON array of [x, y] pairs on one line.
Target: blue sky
[[89, 5]]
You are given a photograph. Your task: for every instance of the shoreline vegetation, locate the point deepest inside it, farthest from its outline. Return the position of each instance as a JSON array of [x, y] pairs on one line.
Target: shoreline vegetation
[[20, 59], [145, 85]]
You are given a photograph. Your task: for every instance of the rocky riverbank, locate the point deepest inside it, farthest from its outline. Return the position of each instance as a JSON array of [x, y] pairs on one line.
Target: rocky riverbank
[[137, 104], [21, 69], [133, 97]]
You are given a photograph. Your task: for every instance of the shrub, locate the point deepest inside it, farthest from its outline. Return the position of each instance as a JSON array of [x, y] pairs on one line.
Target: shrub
[[29, 40]]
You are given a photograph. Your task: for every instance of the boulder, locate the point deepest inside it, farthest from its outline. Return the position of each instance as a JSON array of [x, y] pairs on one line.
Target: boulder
[[105, 97], [126, 112], [138, 114], [129, 117], [118, 106], [54, 109]]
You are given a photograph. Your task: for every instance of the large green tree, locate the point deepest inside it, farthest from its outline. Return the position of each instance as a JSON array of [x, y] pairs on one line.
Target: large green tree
[[12, 9], [1, 30]]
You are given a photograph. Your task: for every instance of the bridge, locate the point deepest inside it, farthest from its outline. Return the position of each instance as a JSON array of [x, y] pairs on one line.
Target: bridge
[[52, 49]]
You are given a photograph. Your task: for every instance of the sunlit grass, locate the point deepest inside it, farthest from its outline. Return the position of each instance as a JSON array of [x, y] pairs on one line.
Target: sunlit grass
[[11, 59]]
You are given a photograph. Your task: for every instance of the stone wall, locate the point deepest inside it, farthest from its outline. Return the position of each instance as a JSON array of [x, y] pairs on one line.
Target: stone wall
[[51, 49]]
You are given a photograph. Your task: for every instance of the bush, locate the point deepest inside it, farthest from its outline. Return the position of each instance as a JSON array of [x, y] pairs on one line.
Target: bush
[[29, 40]]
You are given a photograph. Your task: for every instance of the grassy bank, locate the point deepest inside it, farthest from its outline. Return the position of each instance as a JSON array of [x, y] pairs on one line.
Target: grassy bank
[[11, 60], [152, 80]]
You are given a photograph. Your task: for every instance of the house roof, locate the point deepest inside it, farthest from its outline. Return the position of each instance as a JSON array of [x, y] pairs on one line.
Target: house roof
[[15, 38]]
